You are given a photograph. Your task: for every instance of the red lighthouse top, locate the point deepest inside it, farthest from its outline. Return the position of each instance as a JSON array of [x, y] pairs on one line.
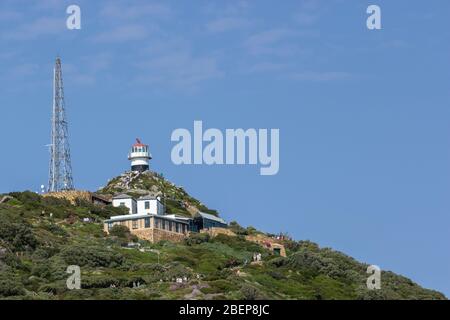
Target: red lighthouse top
[[138, 143]]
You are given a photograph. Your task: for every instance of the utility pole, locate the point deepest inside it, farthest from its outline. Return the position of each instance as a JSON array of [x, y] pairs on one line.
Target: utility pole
[[60, 169]]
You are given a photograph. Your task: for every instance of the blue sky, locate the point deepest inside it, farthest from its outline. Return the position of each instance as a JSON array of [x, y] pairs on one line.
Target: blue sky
[[363, 115]]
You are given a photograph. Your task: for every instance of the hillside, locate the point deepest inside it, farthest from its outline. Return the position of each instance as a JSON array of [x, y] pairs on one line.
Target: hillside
[[41, 236], [176, 199]]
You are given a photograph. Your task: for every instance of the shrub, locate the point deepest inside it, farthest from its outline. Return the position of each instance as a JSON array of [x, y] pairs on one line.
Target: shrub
[[18, 235], [10, 287], [99, 282], [55, 229], [27, 197], [120, 231], [236, 228], [197, 238], [92, 256], [249, 292], [44, 253]]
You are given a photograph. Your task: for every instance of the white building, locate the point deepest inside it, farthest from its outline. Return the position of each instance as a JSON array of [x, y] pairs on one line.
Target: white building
[[124, 200], [139, 156], [150, 205]]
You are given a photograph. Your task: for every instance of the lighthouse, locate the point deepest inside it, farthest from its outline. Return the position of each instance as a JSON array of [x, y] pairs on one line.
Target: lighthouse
[[139, 156]]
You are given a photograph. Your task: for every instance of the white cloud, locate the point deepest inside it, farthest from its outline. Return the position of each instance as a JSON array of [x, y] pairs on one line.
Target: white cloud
[[24, 70], [123, 33], [171, 63], [277, 41], [269, 37], [88, 69], [308, 12], [40, 27], [305, 18], [230, 8], [9, 15], [134, 11], [227, 24], [320, 76], [263, 67]]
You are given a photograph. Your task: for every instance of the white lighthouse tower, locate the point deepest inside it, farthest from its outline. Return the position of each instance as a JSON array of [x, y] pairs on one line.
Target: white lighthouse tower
[[139, 156]]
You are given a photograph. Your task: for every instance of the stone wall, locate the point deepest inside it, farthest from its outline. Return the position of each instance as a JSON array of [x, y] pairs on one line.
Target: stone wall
[[215, 231], [159, 235], [156, 235], [264, 241], [71, 195], [151, 234], [268, 243]]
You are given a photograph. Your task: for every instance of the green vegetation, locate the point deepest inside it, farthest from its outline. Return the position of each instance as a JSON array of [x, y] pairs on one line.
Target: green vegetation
[[176, 199], [40, 237]]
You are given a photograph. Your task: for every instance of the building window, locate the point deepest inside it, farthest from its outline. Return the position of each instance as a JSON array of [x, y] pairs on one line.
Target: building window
[[110, 225], [147, 222], [135, 224], [122, 204], [178, 228], [147, 205]]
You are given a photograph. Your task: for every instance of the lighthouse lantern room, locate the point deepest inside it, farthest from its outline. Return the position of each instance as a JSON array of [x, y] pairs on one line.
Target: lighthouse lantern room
[[139, 156]]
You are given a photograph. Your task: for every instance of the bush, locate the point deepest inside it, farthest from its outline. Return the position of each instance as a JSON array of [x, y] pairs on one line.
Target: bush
[[27, 197], [236, 228], [249, 292], [92, 256], [120, 231], [44, 253], [238, 243], [10, 287], [55, 229], [196, 238], [18, 235]]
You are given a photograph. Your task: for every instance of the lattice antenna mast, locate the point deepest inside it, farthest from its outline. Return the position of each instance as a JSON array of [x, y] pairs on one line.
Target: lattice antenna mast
[[60, 170]]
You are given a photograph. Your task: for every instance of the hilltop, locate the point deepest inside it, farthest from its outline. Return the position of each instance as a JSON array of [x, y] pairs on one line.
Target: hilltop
[[41, 236], [176, 199]]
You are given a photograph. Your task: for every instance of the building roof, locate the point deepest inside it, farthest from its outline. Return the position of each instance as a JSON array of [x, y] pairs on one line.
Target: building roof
[[139, 143], [148, 197], [122, 196], [211, 217], [128, 217], [140, 216], [177, 217]]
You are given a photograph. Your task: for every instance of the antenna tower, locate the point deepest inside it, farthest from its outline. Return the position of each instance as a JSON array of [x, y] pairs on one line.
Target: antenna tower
[[60, 169]]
